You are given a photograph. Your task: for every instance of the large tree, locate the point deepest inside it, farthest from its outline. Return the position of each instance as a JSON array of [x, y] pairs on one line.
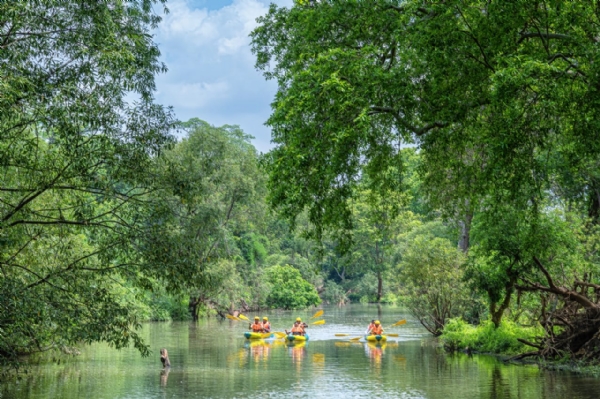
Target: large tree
[[501, 99], [210, 189], [73, 160], [482, 87]]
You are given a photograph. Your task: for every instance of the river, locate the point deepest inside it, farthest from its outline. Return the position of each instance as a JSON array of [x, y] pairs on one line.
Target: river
[[211, 359]]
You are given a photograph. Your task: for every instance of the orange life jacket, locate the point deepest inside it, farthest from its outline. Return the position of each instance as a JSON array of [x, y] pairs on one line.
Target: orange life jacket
[[257, 327], [298, 329], [266, 326], [377, 330]]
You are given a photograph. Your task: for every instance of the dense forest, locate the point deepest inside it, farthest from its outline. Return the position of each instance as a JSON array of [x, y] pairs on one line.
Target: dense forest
[[438, 155]]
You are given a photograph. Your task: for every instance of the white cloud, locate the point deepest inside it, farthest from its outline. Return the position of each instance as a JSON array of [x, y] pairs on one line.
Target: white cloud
[[211, 68]]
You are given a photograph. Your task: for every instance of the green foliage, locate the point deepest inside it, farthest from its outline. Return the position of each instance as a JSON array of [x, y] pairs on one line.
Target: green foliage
[[334, 293], [74, 161], [505, 242], [486, 338], [210, 188], [430, 278], [253, 248], [289, 290]]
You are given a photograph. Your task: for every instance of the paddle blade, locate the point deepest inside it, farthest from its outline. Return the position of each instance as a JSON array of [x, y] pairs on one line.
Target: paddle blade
[[341, 335], [392, 335], [319, 313], [355, 339], [241, 316], [318, 322], [280, 334], [399, 323], [230, 317]]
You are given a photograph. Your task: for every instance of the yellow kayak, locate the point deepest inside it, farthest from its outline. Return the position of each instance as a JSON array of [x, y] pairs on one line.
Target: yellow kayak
[[254, 335], [376, 338], [296, 338]]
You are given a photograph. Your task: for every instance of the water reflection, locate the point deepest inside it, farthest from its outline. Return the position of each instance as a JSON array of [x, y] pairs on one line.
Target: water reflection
[[297, 351], [259, 350], [226, 365], [164, 376], [375, 352]]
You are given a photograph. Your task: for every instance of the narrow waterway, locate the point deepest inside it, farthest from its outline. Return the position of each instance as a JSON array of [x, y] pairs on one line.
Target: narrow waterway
[[212, 359]]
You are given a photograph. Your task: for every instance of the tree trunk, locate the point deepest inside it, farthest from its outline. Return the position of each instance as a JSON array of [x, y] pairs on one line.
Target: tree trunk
[[499, 312], [379, 286], [594, 205], [193, 307], [465, 232]]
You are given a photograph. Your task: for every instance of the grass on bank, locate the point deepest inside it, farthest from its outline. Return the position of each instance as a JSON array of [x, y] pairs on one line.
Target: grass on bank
[[485, 338]]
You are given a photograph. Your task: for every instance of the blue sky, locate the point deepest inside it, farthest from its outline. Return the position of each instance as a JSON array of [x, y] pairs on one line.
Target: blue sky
[[205, 45]]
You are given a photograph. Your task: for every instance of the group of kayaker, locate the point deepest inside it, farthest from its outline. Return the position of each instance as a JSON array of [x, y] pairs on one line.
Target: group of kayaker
[[299, 328], [258, 327]]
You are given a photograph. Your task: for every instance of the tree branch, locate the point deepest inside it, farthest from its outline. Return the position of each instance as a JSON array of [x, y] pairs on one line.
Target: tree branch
[[527, 35], [419, 131]]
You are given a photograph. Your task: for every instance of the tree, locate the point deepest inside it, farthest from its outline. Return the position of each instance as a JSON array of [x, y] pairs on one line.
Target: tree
[[289, 290], [453, 77], [499, 97], [74, 155], [430, 273], [209, 184]]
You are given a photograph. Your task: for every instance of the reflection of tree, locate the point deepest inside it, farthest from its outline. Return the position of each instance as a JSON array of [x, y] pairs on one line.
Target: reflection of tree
[[497, 386]]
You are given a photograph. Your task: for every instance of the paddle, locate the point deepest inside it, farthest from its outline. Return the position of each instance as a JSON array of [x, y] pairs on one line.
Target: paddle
[[280, 334], [230, 317], [241, 316], [398, 323], [319, 313]]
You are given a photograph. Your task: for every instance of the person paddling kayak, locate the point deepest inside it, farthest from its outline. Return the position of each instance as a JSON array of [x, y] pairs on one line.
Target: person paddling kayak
[[371, 325], [377, 329], [298, 328], [257, 326], [266, 325]]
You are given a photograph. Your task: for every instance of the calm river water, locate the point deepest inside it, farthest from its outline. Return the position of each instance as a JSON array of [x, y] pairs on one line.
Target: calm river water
[[212, 359]]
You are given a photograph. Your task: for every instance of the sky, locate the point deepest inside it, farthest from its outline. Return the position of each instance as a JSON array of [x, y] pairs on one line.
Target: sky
[[211, 75]]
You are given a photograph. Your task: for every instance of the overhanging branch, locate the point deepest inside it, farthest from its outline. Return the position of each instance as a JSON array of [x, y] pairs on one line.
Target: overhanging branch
[[419, 131]]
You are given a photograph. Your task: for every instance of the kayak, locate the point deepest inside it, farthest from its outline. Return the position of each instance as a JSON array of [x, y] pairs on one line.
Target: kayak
[[253, 335], [376, 338], [296, 338]]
